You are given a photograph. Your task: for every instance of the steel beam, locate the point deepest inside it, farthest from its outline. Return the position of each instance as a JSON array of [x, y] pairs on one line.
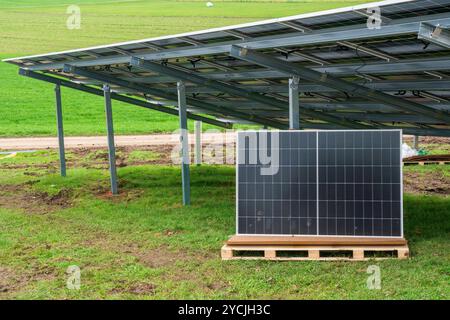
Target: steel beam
[[59, 122], [358, 32], [294, 106], [381, 85], [291, 69], [185, 158], [198, 142], [125, 99], [339, 70], [436, 34], [111, 146], [227, 88], [162, 94]]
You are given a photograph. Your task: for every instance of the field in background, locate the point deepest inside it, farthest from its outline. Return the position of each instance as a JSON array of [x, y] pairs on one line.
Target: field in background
[[39, 26]]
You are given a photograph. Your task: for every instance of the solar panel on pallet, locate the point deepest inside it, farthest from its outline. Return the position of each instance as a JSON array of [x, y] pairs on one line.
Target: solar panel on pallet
[[345, 183]]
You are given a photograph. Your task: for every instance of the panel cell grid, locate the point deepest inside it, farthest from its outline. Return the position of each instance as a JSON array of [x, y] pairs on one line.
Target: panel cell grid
[[343, 183]]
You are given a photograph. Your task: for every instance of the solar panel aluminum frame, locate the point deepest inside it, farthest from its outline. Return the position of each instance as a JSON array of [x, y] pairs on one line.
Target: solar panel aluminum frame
[[401, 236]]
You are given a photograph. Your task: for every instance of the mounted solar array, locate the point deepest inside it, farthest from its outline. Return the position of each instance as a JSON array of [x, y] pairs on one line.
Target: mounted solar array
[[381, 65], [394, 76], [345, 183]]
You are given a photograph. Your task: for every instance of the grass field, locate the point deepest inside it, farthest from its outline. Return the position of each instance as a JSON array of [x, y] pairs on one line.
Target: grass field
[[144, 244], [39, 26]]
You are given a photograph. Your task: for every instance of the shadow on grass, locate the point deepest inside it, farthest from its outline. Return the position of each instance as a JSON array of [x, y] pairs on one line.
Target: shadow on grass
[[426, 217], [170, 176]]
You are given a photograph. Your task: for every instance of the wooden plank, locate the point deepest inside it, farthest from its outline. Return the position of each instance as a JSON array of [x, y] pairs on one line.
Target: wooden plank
[[310, 247], [358, 254], [309, 240], [403, 253], [270, 254], [314, 254], [226, 253], [423, 163]]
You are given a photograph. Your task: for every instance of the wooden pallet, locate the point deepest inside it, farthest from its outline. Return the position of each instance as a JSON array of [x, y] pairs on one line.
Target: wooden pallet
[[424, 163], [311, 253], [319, 248]]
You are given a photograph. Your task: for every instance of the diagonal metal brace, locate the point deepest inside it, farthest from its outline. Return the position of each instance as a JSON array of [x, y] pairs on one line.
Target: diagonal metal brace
[[292, 69], [233, 90]]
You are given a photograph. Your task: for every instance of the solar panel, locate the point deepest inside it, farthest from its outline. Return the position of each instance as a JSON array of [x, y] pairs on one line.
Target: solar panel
[[342, 183]]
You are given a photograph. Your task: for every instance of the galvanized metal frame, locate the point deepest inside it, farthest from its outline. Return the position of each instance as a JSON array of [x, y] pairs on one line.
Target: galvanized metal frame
[[437, 34], [184, 134], [223, 87], [294, 104], [118, 97], [198, 142], [59, 122], [291, 69], [396, 28], [242, 92], [110, 136], [340, 70], [170, 97]]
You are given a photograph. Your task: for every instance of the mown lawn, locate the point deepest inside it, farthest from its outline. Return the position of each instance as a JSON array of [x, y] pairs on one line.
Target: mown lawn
[[144, 245], [39, 26]]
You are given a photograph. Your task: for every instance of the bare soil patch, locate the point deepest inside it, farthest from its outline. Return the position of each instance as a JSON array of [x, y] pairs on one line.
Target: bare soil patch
[[11, 281], [98, 157], [142, 288], [125, 195], [428, 140], [23, 198], [431, 183], [160, 257]]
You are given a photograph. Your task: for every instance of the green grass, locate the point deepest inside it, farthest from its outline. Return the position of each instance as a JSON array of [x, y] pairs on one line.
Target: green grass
[[145, 245], [36, 26], [140, 155]]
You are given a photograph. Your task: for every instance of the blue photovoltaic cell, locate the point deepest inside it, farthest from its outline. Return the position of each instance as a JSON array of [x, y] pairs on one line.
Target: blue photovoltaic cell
[[327, 183]]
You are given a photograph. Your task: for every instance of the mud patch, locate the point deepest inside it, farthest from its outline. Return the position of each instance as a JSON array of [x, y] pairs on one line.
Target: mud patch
[[21, 197], [431, 183], [125, 195], [11, 281], [428, 140], [138, 289], [160, 257], [98, 157]]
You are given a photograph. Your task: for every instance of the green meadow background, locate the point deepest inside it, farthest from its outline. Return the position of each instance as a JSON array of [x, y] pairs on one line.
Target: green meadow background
[[39, 26]]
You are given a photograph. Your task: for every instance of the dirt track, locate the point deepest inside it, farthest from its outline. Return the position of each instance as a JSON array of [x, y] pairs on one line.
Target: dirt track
[[36, 143]]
